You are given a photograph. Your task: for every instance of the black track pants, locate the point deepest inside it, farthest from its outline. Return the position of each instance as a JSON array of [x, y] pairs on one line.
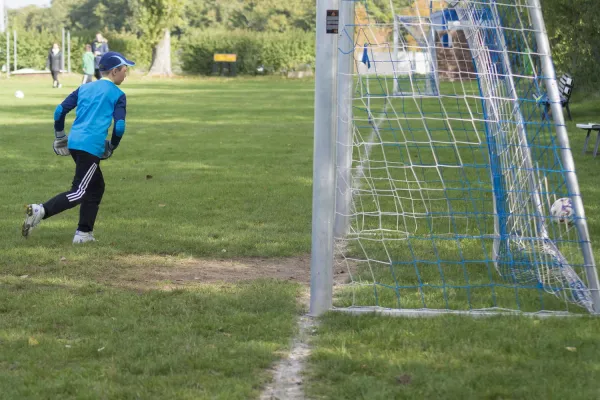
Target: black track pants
[[87, 190]]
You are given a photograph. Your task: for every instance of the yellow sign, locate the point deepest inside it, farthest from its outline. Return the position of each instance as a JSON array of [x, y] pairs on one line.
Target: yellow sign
[[225, 58]]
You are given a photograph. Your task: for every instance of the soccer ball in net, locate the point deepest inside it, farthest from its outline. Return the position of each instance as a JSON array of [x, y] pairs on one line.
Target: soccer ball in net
[[562, 211]]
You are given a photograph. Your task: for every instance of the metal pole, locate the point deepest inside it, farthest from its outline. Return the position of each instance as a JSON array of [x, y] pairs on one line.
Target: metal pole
[[2, 16], [62, 49], [395, 50], [566, 155], [321, 273], [343, 197], [69, 51], [15, 48], [7, 53]]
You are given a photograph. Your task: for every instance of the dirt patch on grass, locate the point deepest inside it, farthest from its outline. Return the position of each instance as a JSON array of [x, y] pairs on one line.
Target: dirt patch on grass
[[151, 272]]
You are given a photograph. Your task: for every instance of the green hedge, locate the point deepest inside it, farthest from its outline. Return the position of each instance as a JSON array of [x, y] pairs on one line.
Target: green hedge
[[33, 47], [133, 48], [275, 51], [195, 50]]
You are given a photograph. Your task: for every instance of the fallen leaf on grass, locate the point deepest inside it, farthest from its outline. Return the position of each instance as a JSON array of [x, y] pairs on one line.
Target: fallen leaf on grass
[[404, 379], [24, 276], [162, 205], [100, 349], [33, 341], [571, 349], [63, 259]]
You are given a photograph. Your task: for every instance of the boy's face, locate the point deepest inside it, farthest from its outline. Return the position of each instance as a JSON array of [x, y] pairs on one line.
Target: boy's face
[[119, 74]]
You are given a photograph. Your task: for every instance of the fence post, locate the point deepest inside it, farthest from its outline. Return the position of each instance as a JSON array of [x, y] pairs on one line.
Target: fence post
[[7, 53], [69, 51], [62, 49], [15, 48]]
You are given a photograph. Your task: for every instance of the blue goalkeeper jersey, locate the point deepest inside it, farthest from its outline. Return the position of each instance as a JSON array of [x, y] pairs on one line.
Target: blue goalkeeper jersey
[[98, 105]]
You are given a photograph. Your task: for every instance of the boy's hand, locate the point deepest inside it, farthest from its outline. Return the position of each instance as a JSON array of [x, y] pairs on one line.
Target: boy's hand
[[108, 150], [60, 144]]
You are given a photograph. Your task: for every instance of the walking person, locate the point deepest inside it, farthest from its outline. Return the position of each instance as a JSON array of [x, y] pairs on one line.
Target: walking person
[[99, 48], [54, 64], [88, 65]]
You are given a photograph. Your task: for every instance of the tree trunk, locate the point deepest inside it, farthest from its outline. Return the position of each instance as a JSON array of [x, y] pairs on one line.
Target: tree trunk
[[161, 57]]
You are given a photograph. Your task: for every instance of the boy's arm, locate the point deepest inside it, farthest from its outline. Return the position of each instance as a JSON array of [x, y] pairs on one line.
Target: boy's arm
[[60, 144], [119, 119], [62, 110], [118, 128]]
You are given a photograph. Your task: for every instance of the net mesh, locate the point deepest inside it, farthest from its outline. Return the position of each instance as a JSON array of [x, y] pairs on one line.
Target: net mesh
[[453, 181]]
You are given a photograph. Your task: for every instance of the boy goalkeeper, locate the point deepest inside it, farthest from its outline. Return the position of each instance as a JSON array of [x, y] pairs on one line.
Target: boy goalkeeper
[[98, 104]]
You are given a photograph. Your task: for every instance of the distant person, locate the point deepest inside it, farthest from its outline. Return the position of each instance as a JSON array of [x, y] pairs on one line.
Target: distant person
[[99, 48], [88, 65], [54, 64]]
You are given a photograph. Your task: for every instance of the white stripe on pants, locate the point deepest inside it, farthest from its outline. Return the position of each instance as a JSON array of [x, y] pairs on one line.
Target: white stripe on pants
[[83, 184]]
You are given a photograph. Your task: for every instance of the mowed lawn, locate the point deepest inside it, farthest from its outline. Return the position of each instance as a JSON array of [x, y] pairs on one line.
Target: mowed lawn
[[207, 169], [222, 169]]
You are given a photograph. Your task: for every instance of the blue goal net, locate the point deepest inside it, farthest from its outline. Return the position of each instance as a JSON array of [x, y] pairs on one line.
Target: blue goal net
[[458, 167]]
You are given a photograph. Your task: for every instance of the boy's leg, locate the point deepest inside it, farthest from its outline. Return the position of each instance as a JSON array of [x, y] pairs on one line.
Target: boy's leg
[[90, 203], [86, 174]]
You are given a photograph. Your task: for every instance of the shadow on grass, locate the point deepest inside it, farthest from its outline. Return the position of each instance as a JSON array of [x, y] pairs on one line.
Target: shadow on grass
[[370, 357], [84, 340]]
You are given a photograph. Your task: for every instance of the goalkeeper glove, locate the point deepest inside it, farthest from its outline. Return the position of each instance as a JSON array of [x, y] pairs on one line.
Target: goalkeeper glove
[[60, 144], [108, 150]]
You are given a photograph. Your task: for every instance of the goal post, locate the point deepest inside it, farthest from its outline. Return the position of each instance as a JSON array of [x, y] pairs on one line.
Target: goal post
[[441, 200], [323, 205], [566, 155]]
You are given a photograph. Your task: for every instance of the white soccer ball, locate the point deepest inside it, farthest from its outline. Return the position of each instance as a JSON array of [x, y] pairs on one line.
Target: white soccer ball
[[19, 94], [562, 211]]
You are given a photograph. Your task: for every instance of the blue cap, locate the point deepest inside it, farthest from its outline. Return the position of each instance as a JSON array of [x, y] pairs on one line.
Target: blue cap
[[112, 59]]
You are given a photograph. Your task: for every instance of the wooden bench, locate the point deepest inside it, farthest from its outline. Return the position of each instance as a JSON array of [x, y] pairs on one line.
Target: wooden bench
[[565, 89]]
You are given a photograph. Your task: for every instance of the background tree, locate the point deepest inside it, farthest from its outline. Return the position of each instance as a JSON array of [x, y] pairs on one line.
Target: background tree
[[154, 20], [574, 28], [142, 27]]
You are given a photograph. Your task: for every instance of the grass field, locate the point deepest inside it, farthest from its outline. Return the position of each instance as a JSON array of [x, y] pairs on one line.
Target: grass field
[[215, 169], [221, 170]]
